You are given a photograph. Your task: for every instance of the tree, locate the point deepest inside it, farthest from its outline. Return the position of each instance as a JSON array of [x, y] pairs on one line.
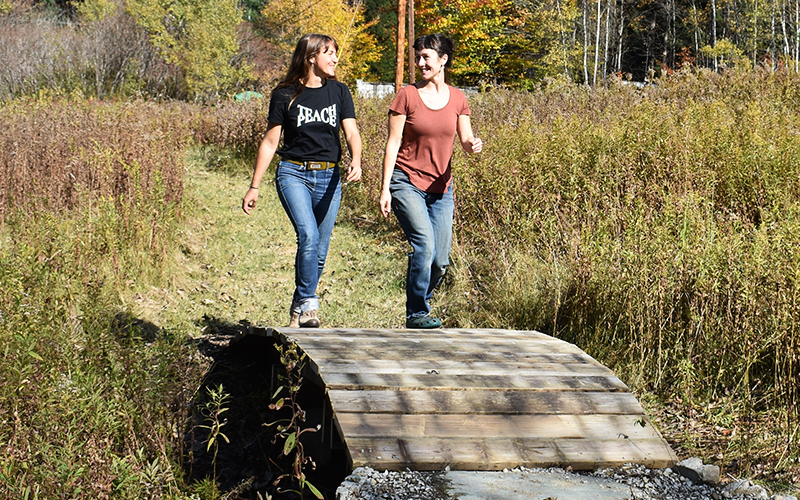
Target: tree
[[288, 20], [381, 16], [487, 45], [95, 10], [198, 36], [549, 27]]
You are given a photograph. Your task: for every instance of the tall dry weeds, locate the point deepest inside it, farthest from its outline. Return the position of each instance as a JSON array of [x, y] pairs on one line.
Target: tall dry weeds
[[54, 152], [107, 58], [656, 228], [90, 194]]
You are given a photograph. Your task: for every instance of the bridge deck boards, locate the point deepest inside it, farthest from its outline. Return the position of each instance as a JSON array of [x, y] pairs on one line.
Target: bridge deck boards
[[475, 400]]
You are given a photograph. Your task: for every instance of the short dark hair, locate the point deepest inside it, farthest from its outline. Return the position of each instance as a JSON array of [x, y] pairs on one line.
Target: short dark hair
[[438, 42]]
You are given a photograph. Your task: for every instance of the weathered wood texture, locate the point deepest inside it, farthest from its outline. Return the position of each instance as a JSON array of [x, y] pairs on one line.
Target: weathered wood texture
[[475, 400]]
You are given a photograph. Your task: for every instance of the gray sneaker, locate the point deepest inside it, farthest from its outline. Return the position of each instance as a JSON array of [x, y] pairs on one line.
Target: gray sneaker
[[309, 319]]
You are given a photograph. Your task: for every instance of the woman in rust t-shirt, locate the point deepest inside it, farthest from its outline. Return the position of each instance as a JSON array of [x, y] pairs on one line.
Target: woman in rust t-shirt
[[417, 183]]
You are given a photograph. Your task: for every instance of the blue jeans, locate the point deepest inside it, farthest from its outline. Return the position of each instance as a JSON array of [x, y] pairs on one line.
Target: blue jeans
[[427, 221], [311, 199]]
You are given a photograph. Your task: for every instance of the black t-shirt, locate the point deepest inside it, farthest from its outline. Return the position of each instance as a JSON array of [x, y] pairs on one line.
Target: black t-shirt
[[311, 123]]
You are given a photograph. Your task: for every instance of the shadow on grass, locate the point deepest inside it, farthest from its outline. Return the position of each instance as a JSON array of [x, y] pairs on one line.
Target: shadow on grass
[[247, 368]]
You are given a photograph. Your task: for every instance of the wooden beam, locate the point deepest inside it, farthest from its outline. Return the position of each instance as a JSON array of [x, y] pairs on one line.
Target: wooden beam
[[431, 382], [499, 454], [412, 67], [485, 402], [401, 38], [461, 367], [482, 426]]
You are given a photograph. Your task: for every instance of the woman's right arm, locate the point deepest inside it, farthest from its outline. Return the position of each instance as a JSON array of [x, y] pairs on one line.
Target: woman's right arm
[[266, 151], [396, 124]]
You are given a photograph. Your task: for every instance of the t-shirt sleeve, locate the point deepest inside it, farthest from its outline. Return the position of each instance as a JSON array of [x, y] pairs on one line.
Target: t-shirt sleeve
[[463, 105], [348, 108], [400, 103], [278, 106]]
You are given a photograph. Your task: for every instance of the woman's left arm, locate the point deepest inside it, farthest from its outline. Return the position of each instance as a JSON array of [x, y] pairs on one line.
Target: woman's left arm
[[353, 138], [469, 142]]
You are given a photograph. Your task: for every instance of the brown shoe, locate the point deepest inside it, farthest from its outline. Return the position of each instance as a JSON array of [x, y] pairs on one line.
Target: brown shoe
[[309, 319], [294, 322]]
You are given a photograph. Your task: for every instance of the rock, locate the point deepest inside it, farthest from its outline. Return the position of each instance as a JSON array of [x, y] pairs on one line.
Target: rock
[[745, 488], [350, 488], [697, 472]]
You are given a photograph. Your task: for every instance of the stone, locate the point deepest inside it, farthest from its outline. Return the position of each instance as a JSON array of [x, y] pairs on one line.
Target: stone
[[350, 489], [697, 472], [745, 488]]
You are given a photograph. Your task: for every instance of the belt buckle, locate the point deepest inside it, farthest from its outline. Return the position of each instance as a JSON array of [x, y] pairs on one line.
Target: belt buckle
[[316, 165]]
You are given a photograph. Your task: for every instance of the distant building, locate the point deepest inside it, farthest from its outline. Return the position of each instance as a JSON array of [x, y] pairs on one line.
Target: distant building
[[369, 89], [382, 89]]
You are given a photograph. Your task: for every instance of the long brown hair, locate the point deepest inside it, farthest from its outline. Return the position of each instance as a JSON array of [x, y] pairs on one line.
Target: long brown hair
[[310, 45]]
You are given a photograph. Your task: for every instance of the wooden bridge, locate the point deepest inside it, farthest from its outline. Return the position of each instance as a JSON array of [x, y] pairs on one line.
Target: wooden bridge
[[474, 400]]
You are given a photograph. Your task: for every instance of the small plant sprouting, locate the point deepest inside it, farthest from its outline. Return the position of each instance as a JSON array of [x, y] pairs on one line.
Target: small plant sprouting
[[212, 411], [290, 429]]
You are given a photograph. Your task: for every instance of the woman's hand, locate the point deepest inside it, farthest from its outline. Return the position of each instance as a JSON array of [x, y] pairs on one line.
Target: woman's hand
[[385, 203], [266, 150], [469, 143], [474, 145], [354, 171], [353, 138], [249, 200]]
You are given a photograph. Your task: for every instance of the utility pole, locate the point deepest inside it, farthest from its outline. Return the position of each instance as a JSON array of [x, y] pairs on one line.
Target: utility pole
[[412, 66], [401, 39]]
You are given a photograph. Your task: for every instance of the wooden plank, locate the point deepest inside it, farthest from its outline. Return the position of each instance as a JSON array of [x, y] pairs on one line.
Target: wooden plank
[[483, 402], [535, 427], [322, 354], [450, 367], [498, 454], [382, 348], [462, 334], [310, 342], [438, 350], [373, 381]]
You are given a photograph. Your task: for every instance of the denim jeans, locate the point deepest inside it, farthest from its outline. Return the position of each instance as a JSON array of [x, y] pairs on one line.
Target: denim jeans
[[427, 221], [311, 199]]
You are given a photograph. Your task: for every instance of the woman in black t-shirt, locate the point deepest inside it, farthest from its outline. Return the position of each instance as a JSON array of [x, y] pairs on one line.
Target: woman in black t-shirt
[[309, 106]]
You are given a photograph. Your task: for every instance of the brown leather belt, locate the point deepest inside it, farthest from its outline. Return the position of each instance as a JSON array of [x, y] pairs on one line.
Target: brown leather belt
[[313, 165]]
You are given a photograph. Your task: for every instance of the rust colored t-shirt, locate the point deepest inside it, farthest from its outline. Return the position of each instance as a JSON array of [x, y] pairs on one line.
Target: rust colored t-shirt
[[427, 146]]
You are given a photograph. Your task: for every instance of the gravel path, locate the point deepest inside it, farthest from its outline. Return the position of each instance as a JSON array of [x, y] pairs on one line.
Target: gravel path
[[632, 482]]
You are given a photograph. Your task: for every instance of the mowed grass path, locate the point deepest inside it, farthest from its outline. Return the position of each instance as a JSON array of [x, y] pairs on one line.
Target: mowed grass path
[[233, 267]]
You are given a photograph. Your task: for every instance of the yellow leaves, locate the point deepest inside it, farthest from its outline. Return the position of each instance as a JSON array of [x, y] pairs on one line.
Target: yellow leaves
[[727, 52], [479, 29], [197, 36], [95, 10], [288, 20]]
